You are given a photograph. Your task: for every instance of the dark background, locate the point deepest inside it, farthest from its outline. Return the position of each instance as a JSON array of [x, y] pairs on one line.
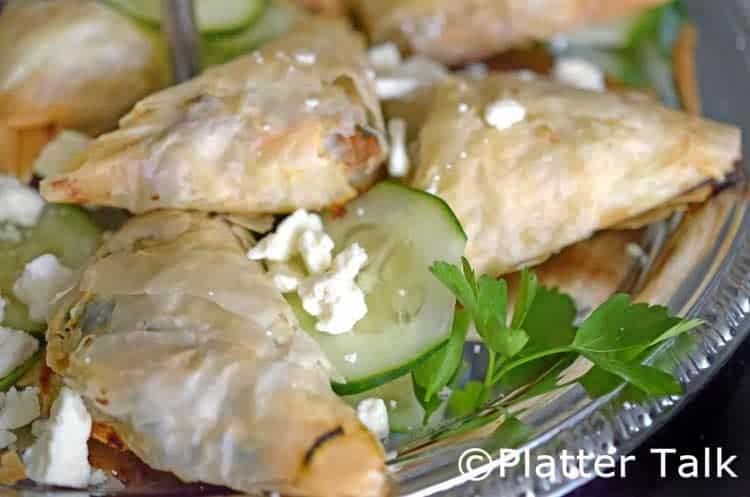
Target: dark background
[[718, 417]]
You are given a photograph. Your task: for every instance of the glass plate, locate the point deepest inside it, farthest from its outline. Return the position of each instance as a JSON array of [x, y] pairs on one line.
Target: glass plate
[[697, 264]]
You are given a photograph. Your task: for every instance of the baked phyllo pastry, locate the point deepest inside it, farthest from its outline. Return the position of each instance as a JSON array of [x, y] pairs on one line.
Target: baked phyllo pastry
[[459, 31], [208, 378], [295, 124], [533, 166], [73, 64]]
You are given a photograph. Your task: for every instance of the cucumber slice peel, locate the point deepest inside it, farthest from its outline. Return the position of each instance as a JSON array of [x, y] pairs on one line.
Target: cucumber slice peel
[[404, 231], [212, 16], [275, 22], [65, 231]]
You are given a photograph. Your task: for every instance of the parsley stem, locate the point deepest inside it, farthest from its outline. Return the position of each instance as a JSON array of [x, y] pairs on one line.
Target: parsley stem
[[488, 380], [526, 359]]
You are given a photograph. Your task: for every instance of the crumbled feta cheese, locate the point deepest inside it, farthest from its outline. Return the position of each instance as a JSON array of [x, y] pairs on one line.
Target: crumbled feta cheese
[[374, 415], [43, 279], [351, 358], [7, 439], [59, 155], [316, 247], [398, 165], [15, 348], [334, 297], [400, 81], [3, 305], [580, 73], [305, 57], [19, 407], [384, 56], [286, 278], [312, 103], [283, 243], [504, 113], [393, 87], [60, 455], [19, 204]]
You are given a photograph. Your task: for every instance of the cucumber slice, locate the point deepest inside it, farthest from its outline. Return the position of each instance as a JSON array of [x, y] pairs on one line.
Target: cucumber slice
[[65, 231], [275, 22], [405, 413], [212, 16], [409, 311]]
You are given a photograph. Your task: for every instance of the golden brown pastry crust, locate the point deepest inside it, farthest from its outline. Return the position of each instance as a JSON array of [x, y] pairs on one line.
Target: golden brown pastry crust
[[296, 124], [589, 271], [104, 65], [208, 378], [459, 31], [579, 162]]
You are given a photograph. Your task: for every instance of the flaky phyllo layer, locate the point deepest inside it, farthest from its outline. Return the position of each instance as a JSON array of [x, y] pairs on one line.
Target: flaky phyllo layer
[[69, 64], [295, 124], [456, 32], [578, 162], [184, 346]]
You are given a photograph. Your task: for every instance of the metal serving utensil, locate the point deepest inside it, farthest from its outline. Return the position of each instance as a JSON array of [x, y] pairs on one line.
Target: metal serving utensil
[[182, 36]]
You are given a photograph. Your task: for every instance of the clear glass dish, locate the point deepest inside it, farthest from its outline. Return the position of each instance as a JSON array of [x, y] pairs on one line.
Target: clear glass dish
[[698, 265]]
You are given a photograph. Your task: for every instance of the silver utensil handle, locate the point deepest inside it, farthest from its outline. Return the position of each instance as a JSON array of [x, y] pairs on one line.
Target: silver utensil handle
[[182, 35]]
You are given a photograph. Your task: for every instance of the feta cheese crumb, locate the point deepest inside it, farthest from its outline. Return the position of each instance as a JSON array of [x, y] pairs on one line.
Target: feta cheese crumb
[[305, 57], [398, 165], [19, 408], [580, 73], [60, 455], [286, 277], [374, 415], [393, 87], [282, 244], [15, 348], [403, 79], [316, 247], [58, 156], [7, 439], [503, 114], [334, 297], [384, 56], [3, 305], [351, 358], [43, 279], [19, 204]]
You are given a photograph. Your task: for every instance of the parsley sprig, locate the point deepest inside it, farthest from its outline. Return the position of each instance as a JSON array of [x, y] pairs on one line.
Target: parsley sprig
[[540, 334]]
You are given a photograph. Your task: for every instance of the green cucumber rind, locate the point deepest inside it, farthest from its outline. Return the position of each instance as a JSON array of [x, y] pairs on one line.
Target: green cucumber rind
[[127, 8], [429, 196], [247, 22], [359, 385], [378, 379], [9, 380]]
